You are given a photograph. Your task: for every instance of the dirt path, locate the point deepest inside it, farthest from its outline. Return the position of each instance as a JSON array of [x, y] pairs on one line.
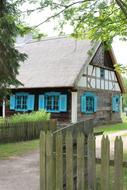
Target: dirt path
[[20, 173]]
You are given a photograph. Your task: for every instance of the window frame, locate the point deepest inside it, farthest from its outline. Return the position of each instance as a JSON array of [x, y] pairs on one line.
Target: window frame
[[92, 110], [20, 95], [52, 94], [83, 100]]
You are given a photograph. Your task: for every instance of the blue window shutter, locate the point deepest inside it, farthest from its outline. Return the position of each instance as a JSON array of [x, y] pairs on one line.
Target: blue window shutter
[[114, 103], [41, 104], [83, 103], [119, 104], [95, 103], [63, 103], [12, 102], [30, 102]]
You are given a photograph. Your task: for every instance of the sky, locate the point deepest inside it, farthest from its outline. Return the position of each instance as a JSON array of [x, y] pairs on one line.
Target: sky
[[119, 47]]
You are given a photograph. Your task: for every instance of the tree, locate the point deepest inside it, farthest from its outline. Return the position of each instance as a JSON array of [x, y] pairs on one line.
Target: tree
[[124, 97], [9, 56], [94, 19]]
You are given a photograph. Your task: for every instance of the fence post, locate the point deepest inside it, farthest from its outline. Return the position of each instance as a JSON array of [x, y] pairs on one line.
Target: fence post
[[105, 157], [69, 161], [59, 161], [53, 124], [42, 162], [118, 167], [91, 163], [80, 162], [49, 161]]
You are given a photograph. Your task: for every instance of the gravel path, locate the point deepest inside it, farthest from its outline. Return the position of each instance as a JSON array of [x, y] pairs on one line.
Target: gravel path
[[20, 173]]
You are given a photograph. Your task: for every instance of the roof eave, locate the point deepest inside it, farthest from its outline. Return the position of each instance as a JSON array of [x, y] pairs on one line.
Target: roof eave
[[118, 75], [87, 62]]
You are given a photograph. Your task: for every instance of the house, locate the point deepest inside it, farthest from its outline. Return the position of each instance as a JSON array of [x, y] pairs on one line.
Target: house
[[74, 80]]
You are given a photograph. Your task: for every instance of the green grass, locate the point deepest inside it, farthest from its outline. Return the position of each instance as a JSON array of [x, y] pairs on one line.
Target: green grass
[[17, 149], [111, 128]]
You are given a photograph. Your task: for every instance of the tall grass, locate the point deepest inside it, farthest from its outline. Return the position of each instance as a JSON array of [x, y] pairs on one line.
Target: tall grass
[[29, 117]]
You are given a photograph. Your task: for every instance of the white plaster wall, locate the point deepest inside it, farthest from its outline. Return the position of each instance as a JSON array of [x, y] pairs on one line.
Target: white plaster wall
[[102, 84]]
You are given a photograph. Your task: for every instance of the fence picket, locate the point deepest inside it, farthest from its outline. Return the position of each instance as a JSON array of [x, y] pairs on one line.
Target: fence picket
[[118, 167], [105, 157], [14, 132], [59, 162], [49, 161], [69, 161], [91, 163], [42, 161], [80, 162]]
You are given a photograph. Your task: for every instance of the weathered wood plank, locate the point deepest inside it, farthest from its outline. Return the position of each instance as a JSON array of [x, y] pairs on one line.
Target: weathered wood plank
[[42, 162], [80, 162], [49, 161], [59, 162], [105, 157], [91, 163], [118, 167], [69, 161]]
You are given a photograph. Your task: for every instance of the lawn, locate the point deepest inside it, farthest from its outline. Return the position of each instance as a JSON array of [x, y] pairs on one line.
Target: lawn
[[17, 149], [111, 128]]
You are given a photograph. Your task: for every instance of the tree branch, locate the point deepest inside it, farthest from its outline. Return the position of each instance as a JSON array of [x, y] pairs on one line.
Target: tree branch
[[121, 5], [57, 14]]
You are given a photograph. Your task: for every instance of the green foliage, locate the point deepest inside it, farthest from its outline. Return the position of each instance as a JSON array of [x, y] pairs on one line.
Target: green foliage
[[9, 55], [98, 20], [124, 97], [29, 117]]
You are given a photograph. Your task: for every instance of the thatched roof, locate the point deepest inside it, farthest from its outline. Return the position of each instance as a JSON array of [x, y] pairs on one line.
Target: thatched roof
[[54, 62]]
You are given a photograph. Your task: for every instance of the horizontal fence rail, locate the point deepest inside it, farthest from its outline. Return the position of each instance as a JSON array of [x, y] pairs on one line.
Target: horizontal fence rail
[[14, 132], [65, 166]]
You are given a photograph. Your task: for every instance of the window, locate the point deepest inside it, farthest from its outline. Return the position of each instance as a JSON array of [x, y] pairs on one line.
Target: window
[[88, 103], [53, 102], [102, 73], [116, 103], [22, 102]]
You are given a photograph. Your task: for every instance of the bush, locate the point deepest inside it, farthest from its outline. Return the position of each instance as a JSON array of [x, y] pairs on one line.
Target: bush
[[29, 117]]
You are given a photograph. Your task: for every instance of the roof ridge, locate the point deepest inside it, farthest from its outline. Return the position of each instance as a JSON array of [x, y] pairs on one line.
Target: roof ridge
[[47, 39]]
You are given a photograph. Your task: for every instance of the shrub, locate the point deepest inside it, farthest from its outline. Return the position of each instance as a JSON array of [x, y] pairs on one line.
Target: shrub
[[29, 117]]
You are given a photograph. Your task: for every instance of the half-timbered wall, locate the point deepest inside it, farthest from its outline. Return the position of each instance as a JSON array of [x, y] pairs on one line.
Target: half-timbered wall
[[104, 87], [91, 78]]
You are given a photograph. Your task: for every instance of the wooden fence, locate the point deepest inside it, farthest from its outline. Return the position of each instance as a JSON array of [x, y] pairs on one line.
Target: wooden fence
[[63, 166], [14, 132]]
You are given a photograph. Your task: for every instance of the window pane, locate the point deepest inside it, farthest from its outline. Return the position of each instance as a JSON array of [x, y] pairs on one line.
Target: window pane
[[89, 104], [55, 102], [49, 102], [102, 73], [117, 104]]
